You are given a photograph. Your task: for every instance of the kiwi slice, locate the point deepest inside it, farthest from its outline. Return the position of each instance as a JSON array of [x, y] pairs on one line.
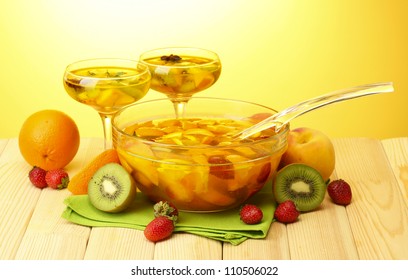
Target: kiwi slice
[[300, 183], [111, 189]]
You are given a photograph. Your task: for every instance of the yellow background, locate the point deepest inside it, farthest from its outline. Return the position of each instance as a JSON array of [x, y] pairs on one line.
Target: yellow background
[[274, 52]]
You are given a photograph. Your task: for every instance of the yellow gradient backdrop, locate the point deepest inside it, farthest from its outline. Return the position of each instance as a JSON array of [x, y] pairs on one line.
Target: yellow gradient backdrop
[[274, 52]]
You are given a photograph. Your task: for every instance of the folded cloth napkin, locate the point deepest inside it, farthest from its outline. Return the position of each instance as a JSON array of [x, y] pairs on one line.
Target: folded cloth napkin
[[224, 226]]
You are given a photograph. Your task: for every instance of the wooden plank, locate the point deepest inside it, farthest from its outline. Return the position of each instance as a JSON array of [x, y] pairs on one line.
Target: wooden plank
[[378, 214], [3, 143], [322, 234], [48, 236], [17, 200], [397, 152], [118, 244], [274, 246], [10, 151], [185, 246]]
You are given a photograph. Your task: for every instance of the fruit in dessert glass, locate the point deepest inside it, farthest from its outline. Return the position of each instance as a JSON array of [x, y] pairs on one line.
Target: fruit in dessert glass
[[181, 72], [193, 161], [107, 85]]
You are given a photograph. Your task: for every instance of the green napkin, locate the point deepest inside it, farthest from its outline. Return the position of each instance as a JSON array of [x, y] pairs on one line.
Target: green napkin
[[224, 226]]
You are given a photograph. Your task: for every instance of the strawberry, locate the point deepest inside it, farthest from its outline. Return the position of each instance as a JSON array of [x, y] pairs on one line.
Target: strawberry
[[340, 192], [286, 212], [57, 179], [251, 214], [37, 177], [221, 167], [159, 228], [166, 209], [264, 174]]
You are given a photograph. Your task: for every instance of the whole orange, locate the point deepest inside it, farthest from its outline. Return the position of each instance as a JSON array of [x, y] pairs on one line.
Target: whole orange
[[49, 139]]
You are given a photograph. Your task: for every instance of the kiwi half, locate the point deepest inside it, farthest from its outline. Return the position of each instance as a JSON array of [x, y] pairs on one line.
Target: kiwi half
[[111, 189], [300, 183]]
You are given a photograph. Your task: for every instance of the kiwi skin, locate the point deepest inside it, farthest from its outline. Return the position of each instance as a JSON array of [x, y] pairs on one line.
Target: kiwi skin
[[300, 183], [112, 175]]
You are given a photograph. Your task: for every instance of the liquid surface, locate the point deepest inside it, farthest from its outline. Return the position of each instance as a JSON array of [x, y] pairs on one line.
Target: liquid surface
[[194, 131]]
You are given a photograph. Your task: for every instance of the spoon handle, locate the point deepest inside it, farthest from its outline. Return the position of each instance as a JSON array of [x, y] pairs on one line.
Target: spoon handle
[[281, 118]]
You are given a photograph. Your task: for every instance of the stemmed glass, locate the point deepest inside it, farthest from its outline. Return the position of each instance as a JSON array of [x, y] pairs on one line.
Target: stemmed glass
[[181, 72], [107, 85]]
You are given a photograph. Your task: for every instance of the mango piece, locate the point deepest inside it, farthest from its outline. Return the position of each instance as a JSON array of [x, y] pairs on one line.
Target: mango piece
[[187, 86], [188, 124], [169, 76], [177, 141], [217, 198], [172, 180], [199, 131], [171, 129], [197, 180], [149, 132], [124, 99], [140, 165], [205, 81], [221, 129], [107, 98], [176, 134], [246, 151], [206, 122], [242, 168], [166, 123], [142, 179]]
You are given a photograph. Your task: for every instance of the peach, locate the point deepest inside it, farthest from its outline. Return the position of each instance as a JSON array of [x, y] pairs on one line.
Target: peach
[[311, 147]]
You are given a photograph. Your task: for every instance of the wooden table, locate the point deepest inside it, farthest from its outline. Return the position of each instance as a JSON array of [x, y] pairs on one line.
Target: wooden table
[[373, 226]]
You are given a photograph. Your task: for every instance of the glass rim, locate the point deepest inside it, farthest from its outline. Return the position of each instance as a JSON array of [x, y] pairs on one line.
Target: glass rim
[[134, 64], [162, 51], [277, 136]]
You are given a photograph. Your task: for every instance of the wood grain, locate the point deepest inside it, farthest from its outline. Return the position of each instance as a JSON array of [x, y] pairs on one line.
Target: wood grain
[[274, 247], [18, 199], [3, 143], [373, 226], [378, 214], [118, 244], [397, 153], [48, 236], [184, 246], [324, 233]]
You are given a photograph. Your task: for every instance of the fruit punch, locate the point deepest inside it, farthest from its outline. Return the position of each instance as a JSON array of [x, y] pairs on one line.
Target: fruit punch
[[107, 89], [182, 75], [195, 163]]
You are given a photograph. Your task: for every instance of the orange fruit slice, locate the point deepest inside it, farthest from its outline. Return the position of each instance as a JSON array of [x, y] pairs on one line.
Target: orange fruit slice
[[49, 139], [79, 183]]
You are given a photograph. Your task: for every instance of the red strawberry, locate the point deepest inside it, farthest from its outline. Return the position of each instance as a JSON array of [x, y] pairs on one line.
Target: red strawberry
[[264, 174], [221, 167], [159, 228], [340, 192], [251, 214], [57, 179], [37, 177], [166, 209], [286, 212]]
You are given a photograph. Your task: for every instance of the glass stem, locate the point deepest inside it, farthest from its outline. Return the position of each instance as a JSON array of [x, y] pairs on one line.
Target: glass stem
[[180, 105], [107, 130]]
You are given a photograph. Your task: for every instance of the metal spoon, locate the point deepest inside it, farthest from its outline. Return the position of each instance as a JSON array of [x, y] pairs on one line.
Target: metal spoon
[[281, 118]]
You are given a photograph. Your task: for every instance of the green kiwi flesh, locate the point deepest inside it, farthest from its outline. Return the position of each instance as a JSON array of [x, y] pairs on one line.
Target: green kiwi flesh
[[300, 183], [111, 189]]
